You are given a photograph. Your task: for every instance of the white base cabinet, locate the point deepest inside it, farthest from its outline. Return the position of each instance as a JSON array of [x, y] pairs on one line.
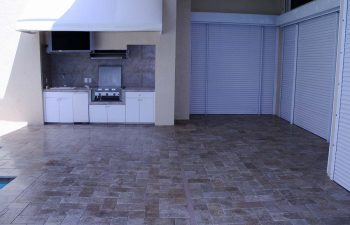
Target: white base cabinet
[[73, 107], [66, 107], [81, 107], [58, 107], [140, 107], [107, 113], [52, 109]]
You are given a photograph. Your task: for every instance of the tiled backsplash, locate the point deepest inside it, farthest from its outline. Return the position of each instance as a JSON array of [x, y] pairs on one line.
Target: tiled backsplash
[[71, 68]]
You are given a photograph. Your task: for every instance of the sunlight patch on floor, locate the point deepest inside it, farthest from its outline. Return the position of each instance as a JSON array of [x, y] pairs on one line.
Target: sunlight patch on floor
[[7, 127]]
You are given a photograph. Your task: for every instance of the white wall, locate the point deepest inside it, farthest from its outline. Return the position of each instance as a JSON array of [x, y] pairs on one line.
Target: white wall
[[165, 66], [183, 60], [20, 72]]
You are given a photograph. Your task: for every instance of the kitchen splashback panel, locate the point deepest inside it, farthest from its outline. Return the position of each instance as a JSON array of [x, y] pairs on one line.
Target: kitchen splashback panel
[[71, 68]]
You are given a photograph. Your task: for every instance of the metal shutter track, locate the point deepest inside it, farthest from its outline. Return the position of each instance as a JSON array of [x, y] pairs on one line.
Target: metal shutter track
[[317, 46], [199, 69], [342, 155], [288, 71], [234, 69]]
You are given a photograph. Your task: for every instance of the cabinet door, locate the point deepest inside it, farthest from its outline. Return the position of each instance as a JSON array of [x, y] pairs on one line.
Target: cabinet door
[[116, 113], [98, 114], [52, 110], [147, 110], [81, 107], [66, 109], [132, 110]]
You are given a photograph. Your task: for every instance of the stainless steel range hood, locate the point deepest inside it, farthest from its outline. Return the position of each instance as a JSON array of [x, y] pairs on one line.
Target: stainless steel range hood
[[109, 54], [91, 15]]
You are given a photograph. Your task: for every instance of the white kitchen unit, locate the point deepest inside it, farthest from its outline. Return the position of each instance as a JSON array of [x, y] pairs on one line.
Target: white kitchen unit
[[66, 107], [139, 107], [58, 107], [107, 113]]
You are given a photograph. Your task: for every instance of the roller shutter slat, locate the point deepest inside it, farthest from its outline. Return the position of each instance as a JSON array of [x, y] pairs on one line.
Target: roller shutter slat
[[234, 69], [317, 46], [198, 68], [288, 71], [269, 70]]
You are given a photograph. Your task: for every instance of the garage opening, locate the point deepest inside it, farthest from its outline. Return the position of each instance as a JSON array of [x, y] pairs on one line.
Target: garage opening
[[276, 65], [235, 69]]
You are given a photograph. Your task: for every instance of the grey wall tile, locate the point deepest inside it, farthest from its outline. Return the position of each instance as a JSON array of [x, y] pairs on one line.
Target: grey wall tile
[[71, 68]]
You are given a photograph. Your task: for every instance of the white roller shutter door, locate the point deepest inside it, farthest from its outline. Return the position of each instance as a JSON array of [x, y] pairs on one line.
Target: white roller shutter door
[[268, 70], [198, 69], [233, 69], [234, 62], [342, 154], [290, 43], [317, 45]]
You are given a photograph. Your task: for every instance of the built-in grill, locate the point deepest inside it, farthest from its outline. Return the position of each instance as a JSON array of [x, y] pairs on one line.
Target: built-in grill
[[106, 94], [109, 84]]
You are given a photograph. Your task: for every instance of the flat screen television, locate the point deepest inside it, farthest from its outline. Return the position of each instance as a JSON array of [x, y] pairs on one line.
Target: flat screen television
[[70, 41]]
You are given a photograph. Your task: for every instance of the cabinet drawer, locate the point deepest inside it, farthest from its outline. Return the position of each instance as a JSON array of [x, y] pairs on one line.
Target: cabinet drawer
[[58, 94], [139, 94]]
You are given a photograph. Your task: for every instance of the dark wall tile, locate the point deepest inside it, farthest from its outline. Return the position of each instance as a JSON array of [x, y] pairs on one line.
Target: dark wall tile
[[71, 68]]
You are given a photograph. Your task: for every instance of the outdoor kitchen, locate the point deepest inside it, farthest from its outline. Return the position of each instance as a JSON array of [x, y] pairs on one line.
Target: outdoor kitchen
[[84, 85]]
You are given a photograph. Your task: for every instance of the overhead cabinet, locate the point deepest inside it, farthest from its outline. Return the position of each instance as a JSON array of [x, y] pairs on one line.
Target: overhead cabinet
[[233, 69]]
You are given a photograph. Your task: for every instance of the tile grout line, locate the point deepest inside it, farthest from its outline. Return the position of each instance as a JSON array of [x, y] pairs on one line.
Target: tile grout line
[[23, 191]]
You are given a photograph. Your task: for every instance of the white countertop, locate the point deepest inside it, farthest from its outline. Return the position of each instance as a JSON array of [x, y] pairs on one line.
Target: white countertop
[[82, 89], [67, 89]]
